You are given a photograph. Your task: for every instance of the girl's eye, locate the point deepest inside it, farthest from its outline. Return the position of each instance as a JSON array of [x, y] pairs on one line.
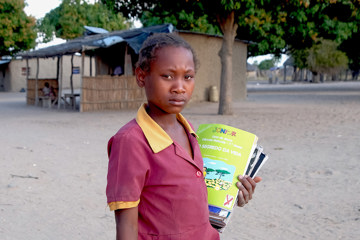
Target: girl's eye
[[167, 76], [188, 77]]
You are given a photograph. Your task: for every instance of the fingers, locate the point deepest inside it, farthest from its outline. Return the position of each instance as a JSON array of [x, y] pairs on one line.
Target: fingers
[[243, 195], [257, 179], [249, 184], [246, 186], [241, 200]]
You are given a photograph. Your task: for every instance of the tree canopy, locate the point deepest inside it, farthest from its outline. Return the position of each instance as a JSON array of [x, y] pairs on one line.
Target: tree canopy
[[224, 15], [324, 57], [276, 27], [266, 64], [17, 30], [68, 20], [351, 47]]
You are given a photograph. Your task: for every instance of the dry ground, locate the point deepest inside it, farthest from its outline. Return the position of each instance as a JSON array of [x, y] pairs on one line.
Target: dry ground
[[53, 165]]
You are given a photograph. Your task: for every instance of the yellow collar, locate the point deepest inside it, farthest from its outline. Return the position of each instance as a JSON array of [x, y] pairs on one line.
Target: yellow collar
[[158, 139]]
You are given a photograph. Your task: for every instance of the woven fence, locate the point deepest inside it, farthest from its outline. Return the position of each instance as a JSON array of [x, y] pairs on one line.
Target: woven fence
[[110, 93]]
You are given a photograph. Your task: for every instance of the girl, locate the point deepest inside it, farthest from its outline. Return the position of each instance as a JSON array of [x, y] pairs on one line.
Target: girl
[[155, 178]]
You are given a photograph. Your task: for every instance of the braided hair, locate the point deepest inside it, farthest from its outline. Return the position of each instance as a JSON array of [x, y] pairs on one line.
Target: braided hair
[[157, 41]]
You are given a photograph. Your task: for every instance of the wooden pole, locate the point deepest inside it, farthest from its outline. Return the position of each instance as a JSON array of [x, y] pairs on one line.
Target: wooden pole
[[128, 71], [72, 99], [82, 76], [27, 79], [57, 79], [90, 65], [60, 78], [36, 82]]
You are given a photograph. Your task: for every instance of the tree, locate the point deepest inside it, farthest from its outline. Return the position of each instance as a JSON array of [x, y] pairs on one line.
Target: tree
[[224, 15], [299, 24], [182, 20], [277, 27], [312, 21], [267, 64], [17, 30], [68, 20], [351, 47], [221, 173], [324, 57], [209, 170]]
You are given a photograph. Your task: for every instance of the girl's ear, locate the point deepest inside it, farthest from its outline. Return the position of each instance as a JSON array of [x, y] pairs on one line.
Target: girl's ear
[[140, 77]]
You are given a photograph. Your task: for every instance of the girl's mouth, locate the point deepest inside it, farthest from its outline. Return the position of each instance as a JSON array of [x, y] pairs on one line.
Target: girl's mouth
[[177, 101]]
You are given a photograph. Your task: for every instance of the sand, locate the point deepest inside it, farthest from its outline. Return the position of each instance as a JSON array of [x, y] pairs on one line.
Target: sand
[[53, 165]]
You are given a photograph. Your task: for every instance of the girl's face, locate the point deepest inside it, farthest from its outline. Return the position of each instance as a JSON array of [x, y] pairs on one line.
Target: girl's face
[[170, 81]]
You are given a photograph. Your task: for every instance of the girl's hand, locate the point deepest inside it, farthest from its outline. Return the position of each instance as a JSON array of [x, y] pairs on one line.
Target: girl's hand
[[246, 186]]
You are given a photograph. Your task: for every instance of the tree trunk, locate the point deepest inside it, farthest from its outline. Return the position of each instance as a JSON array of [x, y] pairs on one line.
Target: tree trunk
[[228, 27], [296, 74], [346, 74]]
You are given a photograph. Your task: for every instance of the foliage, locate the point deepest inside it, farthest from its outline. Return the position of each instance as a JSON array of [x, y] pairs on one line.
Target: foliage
[[223, 15], [182, 20], [273, 26], [68, 20], [17, 30], [335, 20], [209, 170], [184, 15], [276, 27], [266, 64], [351, 47], [221, 172], [300, 57], [324, 57], [290, 26]]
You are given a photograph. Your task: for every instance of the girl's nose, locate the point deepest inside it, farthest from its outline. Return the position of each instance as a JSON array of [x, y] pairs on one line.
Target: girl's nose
[[178, 86]]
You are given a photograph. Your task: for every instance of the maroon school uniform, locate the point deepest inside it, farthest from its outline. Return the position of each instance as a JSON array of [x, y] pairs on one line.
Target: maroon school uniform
[[147, 168]]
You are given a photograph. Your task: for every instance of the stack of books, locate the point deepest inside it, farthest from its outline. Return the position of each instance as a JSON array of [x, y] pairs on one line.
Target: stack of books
[[227, 153]]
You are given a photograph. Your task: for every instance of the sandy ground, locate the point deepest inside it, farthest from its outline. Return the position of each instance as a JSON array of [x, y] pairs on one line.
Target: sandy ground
[[53, 165]]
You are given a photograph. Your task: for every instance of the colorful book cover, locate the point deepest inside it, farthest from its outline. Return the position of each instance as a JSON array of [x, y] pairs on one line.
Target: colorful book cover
[[226, 152]]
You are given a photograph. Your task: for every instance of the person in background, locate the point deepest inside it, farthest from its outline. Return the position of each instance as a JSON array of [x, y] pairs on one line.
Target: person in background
[[48, 91]]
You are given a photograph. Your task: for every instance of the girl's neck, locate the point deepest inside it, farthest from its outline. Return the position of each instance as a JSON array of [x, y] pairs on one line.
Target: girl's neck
[[166, 121]]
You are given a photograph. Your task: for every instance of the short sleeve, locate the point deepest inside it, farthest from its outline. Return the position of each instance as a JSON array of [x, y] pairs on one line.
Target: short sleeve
[[128, 167]]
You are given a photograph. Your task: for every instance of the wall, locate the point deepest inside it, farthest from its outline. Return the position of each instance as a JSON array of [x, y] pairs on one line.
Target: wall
[[207, 49], [15, 75]]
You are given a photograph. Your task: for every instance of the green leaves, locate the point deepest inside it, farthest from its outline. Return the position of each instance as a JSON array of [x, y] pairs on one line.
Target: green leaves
[[276, 27], [17, 30], [324, 57], [68, 20]]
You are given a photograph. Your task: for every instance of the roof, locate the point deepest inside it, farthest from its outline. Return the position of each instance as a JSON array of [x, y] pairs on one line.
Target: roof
[[94, 30], [133, 37], [5, 61], [213, 35]]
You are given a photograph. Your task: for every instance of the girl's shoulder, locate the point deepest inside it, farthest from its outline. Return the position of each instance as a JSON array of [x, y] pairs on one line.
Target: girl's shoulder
[[129, 133], [129, 130]]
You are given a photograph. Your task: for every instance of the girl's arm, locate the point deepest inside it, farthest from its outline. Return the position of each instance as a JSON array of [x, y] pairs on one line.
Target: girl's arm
[[126, 223]]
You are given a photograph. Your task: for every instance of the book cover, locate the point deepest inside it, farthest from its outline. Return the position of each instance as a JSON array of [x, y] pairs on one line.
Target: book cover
[[226, 154]]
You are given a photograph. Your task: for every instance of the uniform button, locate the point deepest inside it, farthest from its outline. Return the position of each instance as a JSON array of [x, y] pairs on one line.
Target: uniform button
[[198, 174]]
